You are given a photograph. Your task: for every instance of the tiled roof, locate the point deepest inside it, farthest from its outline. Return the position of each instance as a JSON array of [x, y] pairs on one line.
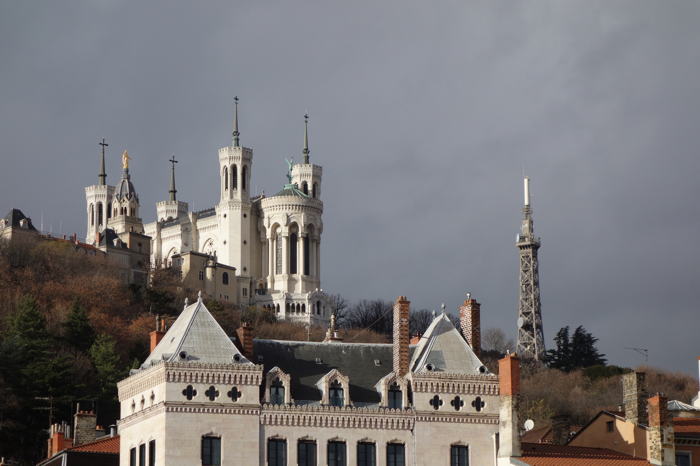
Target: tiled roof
[[103, 445], [542, 454], [686, 427]]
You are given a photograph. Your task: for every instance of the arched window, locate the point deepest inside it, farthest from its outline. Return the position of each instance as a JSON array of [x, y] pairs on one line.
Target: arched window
[[226, 178], [395, 397], [277, 308], [234, 176], [305, 259], [92, 214], [224, 278], [244, 177], [336, 395], [100, 214], [303, 308], [293, 253], [318, 307], [109, 210], [314, 191], [305, 187], [278, 254], [286, 308], [277, 392]]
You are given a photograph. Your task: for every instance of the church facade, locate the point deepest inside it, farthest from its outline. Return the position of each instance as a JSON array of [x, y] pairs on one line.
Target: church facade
[[247, 249]]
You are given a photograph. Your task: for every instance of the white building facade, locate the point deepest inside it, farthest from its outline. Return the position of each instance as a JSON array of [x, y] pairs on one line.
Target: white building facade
[[272, 242], [199, 400]]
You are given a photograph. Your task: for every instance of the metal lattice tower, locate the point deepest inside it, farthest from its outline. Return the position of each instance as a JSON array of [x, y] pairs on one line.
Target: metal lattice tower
[[530, 335]]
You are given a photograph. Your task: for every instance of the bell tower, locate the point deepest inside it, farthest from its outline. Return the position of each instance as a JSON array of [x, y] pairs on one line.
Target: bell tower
[[307, 176], [234, 207], [530, 335], [125, 205], [98, 200]]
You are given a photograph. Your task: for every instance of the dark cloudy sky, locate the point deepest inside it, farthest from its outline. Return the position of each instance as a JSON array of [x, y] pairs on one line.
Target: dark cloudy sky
[[424, 116]]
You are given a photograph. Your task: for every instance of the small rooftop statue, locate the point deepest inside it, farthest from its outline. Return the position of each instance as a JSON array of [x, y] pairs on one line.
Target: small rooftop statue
[[290, 164], [125, 160]]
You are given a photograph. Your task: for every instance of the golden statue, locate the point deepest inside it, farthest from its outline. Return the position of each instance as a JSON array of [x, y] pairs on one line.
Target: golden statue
[[125, 160]]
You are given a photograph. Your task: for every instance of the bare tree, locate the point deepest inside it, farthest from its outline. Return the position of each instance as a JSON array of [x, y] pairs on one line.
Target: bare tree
[[375, 314], [420, 321], [495, 339]]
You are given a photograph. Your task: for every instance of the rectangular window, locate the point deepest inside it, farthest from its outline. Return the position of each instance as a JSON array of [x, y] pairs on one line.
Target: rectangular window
[[683, 458], [336, 454], [132, 457], [245, 291], [278, 255], [142, 454], [276, 452], [305, 239], [610, 426], [366, 454], [395, 454], [211, 451], [152, 453], [306, 453], [459, 455]]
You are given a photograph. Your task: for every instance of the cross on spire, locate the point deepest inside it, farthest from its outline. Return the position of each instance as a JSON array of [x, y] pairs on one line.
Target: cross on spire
[[103, 174], [236, 134], [172, 190], [306, 150]]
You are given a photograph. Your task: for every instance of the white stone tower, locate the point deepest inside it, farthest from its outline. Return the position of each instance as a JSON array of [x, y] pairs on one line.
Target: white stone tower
[[307, 176], [172, 208], [98, 200], [530, 335], [125, 204], [234, 207]]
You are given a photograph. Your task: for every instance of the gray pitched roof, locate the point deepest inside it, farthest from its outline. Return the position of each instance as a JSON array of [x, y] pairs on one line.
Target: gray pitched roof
[[195, 336], [14, 216], [307, 362], [443, 349]]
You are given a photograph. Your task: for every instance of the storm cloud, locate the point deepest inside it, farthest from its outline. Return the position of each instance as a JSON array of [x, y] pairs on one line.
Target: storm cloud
[[424, 116]]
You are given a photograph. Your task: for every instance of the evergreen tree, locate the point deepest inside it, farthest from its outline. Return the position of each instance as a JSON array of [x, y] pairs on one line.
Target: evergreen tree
[[575, 352], [77, 329], [107, 365]]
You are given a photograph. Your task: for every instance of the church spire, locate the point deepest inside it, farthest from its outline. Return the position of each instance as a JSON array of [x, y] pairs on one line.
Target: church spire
[[306, 150], [103, 174], [236, 134], [172, 190]]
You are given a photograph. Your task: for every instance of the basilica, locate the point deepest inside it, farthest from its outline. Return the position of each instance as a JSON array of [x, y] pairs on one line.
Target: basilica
[[247, 249]]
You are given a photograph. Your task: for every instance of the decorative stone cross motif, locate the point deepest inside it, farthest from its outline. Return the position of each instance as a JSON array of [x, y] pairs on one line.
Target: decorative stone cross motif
[[478, 403], [457, 403], [436, 402], [212, 393], [234, 394], [189, 392]]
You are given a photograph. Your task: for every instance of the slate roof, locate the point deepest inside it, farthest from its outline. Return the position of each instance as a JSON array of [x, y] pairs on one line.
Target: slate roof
[[307, 362], [14, 216], [443, 349], [542, 454], [195, 336]]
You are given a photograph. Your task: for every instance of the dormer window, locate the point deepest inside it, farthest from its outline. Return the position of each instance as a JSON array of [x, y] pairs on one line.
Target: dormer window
[[336, 394], [395, 396], [277, 392]]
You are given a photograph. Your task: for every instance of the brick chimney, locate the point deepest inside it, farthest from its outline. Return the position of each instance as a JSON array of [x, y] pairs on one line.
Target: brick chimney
[[561, 429], [660, 438], [84, 427], [470, 323], [245, 337], [157, 334], [634, 397], [509, 387], [401, 335], [59, 439]]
